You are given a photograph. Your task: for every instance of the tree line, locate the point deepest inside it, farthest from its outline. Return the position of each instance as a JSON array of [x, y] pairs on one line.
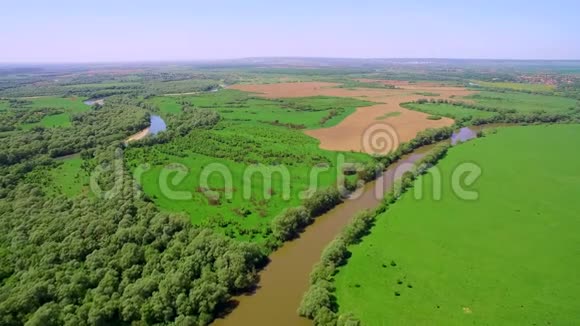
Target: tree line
[[319, 302]]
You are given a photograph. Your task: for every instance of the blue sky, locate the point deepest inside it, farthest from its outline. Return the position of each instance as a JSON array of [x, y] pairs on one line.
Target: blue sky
[[105, 30]]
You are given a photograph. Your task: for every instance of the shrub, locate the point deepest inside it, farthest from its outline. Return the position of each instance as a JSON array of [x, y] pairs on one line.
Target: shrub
[[317, 297], [359, 227], [287, 225], [347, 320], [325, 317], [370, 171], [322, 201], [335, 253], [321, 272]]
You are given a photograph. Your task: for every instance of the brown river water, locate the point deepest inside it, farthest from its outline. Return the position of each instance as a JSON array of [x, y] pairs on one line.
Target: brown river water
[[286, 278]]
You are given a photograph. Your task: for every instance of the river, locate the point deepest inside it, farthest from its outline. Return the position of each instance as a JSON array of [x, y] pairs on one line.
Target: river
[[156, 125], [93, 101], [285, 279]]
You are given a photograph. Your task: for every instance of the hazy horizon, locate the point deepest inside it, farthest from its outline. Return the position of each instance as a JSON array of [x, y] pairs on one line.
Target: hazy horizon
[[65, 31], [233, 60]]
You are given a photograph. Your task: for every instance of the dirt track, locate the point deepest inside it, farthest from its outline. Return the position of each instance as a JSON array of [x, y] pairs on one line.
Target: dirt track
[[349, 134]]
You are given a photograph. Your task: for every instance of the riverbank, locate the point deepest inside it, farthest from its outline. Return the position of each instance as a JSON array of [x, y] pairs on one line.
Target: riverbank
[[509, 255], [157, 125], [286, 278], [138, 136]]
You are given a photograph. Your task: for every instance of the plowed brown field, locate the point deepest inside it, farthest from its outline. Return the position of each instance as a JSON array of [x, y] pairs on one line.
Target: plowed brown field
[[350, 133]]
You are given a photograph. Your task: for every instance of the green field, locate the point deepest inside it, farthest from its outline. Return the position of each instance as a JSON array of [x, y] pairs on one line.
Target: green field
[[69, 178], [427, 94], [508, 258], [389, 115], [238, 147], [523, 102], [516, 86], [66, 178], [309, 113], [74, 104], [448, 110], [68, 106], [51, 121]]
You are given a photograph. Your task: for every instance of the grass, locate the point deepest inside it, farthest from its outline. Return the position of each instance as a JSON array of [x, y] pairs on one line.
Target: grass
[[448, 110], [389, 115], [427, 94], [311, 112], [516, 86], [70, 106], [235, 147], [510, 257], [4, 105], [523, 102], [68, 178], [51, 121], [354, 84]]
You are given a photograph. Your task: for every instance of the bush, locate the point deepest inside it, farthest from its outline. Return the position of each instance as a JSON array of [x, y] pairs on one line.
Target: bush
[[359, 227], [322, 201], [287, 225], [325, 317], [370, 171], [348, 320], [318, 297], [321, 272], [335, 253]]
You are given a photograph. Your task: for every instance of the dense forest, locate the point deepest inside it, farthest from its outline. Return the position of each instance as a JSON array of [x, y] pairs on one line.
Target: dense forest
[[116, 260], [111, 259], [23, 150]]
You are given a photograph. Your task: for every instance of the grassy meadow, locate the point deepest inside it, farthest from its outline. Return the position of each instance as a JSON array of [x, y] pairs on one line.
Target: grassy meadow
[[237, 147], [302, 113], [516, 86], [509, 257], [58, 110], [254, 134], [67, 177], [448, 110], [523, 102]]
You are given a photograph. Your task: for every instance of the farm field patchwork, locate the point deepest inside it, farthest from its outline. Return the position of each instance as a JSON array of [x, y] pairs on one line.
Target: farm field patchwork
[[509, 257], [348, 134]]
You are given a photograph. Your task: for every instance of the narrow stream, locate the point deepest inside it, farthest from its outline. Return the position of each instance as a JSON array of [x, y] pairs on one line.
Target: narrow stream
[[286, 278]]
